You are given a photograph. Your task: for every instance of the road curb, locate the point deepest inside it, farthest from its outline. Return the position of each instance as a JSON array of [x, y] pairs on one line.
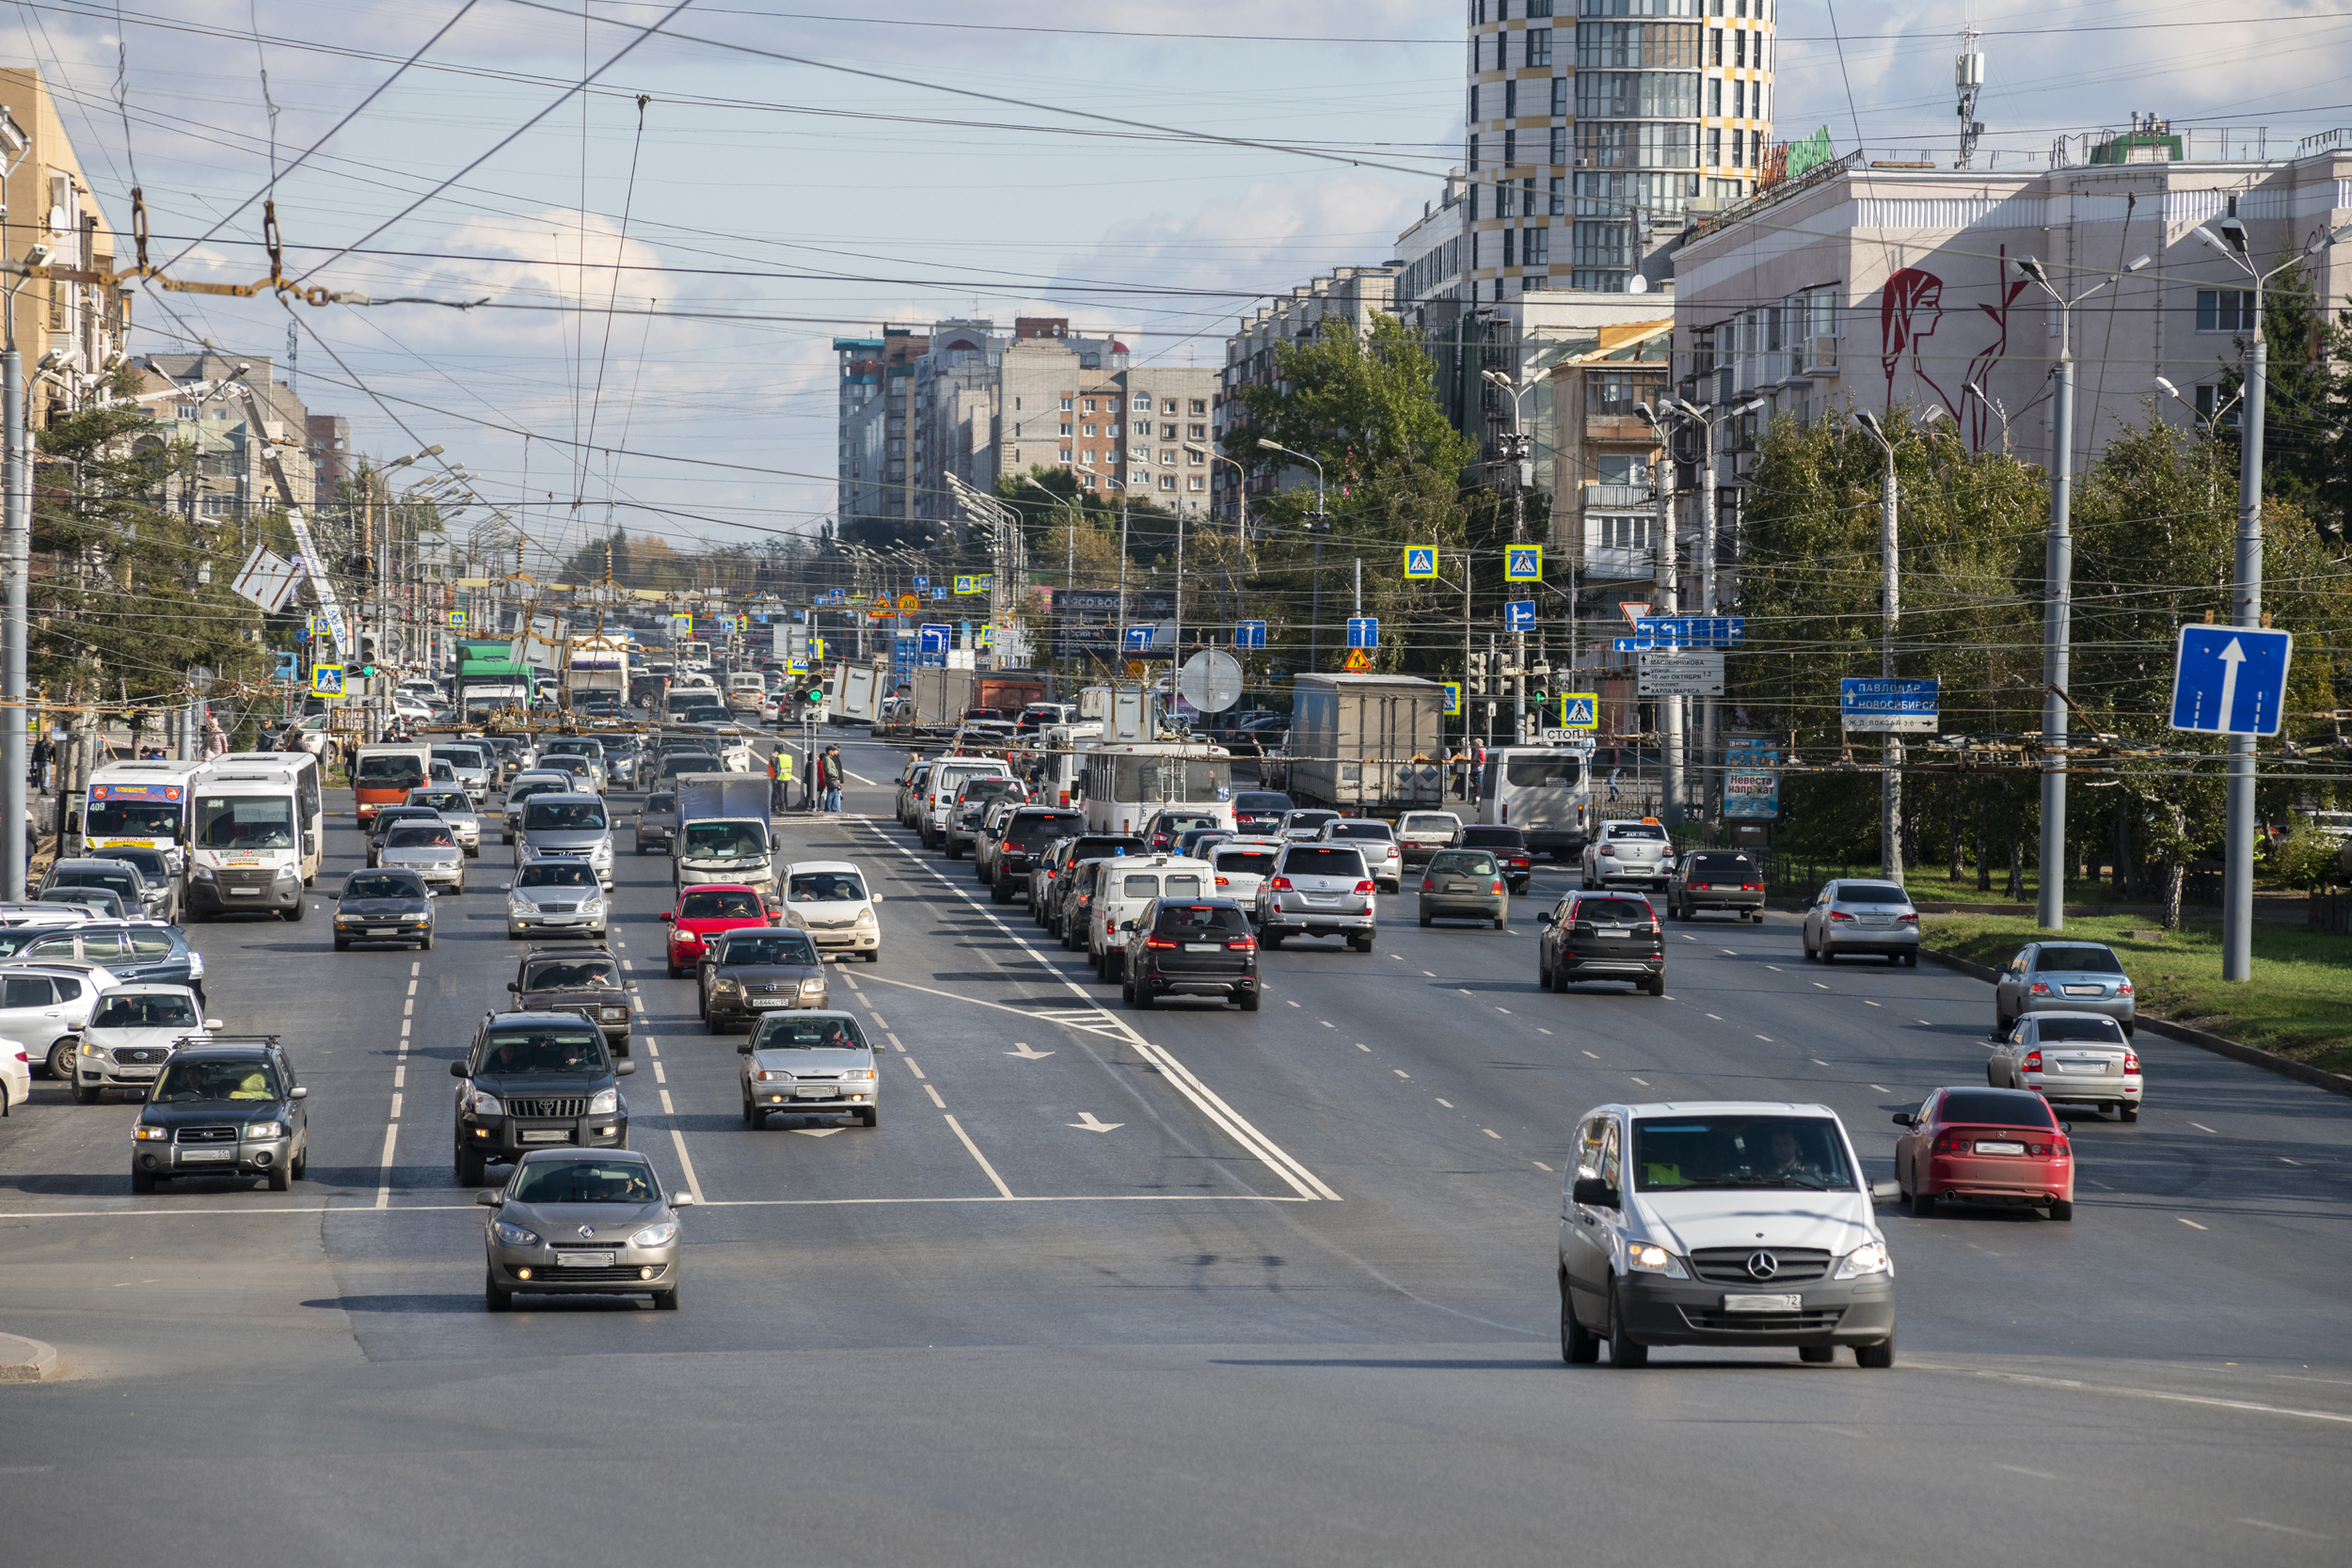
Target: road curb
[[24, 1360], [2335, 1083]]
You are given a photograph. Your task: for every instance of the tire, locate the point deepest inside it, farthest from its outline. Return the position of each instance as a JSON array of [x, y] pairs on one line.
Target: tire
[[1271, 939], [1502, 922], [61, 1059], [1808, 952], [1817, 1356], [1923, 1206], [301, 907], [667, 1300], [1658, 985], [1140, 996], [1578, 1346], [426, 946], [85, 1097], [1249, 1001], [1911, 960], [871, 1116], [2129, 1113], [1543, 973], [301, 1166], [1827, 957], [955, 852], [1623, 1350], [999, 894], [470, 1167], [2128, 1031], [142, 1183], [674, 971], [280, 1179], [753, 1118], [2001, 1025], [342, 944], [2062, 1210], [1425, 920], [494, 1297], [1876, 1358]]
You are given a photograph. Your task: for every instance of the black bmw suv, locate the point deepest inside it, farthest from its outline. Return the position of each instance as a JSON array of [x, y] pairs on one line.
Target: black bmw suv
[[536, 1081], [1190, 947]]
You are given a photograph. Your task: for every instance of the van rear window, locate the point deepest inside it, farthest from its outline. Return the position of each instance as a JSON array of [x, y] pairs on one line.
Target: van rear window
[[1544, 772], [1315, 861]]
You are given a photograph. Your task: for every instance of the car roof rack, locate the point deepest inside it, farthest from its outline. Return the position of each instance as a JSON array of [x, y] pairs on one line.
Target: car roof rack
[[225, 1040]]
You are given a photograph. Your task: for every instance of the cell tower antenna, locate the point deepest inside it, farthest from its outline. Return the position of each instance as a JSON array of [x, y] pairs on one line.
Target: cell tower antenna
[[1968, 77]]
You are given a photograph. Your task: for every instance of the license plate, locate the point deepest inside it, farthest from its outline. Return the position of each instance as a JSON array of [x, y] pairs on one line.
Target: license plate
[[1460, 887], [1613, 931], [134, 1073], [1203, 947], [1763, 1304], [377, 931], [548, 1135], [2085, 991], [584, 1260], [815, 1094], [244, 893], [770, 1001], [207, 1156], [2000, 1148]]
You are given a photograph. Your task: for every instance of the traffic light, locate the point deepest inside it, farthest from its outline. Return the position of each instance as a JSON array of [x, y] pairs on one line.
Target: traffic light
[[367, 655]]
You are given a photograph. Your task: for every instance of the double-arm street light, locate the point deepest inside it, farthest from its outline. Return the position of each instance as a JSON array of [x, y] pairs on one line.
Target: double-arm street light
[[1318, 528]]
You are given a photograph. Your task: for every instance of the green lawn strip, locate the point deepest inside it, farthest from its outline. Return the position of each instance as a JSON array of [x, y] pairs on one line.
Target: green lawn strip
[[2298, 1003]]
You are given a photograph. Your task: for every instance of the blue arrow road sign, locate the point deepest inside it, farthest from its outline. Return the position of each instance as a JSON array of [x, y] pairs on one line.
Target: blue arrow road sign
[[1519, 615], [1878, 706], [2231, 680], [921, 583], [935, 637], [1139, 638], [1249, 634], [1691, 632], [1363, 631]]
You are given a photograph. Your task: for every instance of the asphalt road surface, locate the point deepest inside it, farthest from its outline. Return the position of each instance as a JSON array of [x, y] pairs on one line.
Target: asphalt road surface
[[1181, 1286]]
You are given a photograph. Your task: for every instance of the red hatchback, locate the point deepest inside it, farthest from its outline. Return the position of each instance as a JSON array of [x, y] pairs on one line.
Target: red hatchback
[[704, 911], [1985, 1146]]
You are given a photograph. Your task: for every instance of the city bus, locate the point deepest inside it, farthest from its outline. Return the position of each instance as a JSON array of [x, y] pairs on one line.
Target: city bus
[[1126, 784], [309, 801], [138, 804], [246, 847]]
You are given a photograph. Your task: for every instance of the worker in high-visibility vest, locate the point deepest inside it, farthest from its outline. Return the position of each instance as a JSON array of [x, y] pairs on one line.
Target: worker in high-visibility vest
[[779, 777]]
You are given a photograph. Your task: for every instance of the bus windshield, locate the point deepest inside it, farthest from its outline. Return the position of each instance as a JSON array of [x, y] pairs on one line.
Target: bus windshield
[[136, 818], [245, 822], [1150, 779]]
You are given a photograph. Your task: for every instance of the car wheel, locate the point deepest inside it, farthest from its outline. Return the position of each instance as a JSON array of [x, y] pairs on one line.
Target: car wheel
[[2128, 1031], [667, 1300], [2001, 1023], [1501, 921], [2129, 1113], [469, 1167], [426, 944], [1425, 920], [1828, 957], [280, 1179], [1922, 1205], [1658, 985], [2062, 1209], [1623, 1350], [1911, 959], [1140, 996], [955, 852], [1808, 952], [753, 1116], [1271, 939], [1817, 1356], [494, 1297], [1249, 1002], [301, 1166], [999, 894], [84, 1096], [61, 1060], [1878, 1358], [1578, 1345], [142, 1182], [674, 971], [342, 944]]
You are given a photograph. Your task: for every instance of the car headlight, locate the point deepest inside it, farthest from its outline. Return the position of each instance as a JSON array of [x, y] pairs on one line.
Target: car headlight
[[798, 921], [514, 1235], [812, 987], [286, 873], [89, 1050], [519, 904], [196, 964], [724, 984], [201, 873], [1870, 1257], [419, 919], [484, 1103], [152, 1134], [1649, 1258], [656, 1235], [763, 1076], [862, 1074], [591, 906], [866, 917], [264, 1130], [606, 1104]]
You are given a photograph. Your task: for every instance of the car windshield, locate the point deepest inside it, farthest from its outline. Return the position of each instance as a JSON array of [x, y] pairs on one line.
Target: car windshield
[[585, 1181], [725, 840], [1027, 830], [1995, 1108], [721, 904], [572, 974], [660, 803], [1493, 838], [1312, 861], [542, 1051], [1720, 865], [1543, 772], [123, 883], [1379, 830], [578, 816], [148, 819], [150, 862], [2076, 961], [687, 762], [1462, 863], [246, 821], [385, 819], [986, 790], [1309, 818], [1203, 921], [384, 884], [1252, 863], [557, 873], [185, 1082], [2101, 1031], [157, 1010], [825, 887], [1177, 884], [442, 800], [1685, 1153], [1871, 892], [98, 899], [782, 1033], [1612, 911], [768, 947], [419, 837], [390, 771]]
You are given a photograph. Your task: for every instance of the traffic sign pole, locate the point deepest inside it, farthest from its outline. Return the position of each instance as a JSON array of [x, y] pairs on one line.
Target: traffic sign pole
[[2245, 602], [2056, 620]]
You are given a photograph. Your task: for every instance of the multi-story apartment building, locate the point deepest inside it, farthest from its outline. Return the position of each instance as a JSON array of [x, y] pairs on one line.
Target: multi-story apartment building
[[70, 328], [1584, 151], [331, 458], [233, 477], [1349, 295]]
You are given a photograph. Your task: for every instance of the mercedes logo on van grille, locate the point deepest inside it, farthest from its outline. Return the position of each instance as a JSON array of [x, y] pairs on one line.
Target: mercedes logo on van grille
[[1763, 1265]]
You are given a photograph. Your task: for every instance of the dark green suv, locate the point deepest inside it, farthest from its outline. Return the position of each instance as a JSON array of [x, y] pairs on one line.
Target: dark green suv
[[536, 1080]]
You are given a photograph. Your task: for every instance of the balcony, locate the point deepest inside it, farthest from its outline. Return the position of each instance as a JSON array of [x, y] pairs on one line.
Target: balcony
[[1619, 498], [1616, 563]]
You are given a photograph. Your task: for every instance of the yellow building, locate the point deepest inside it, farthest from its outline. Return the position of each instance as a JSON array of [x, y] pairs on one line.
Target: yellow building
[[69, 330]]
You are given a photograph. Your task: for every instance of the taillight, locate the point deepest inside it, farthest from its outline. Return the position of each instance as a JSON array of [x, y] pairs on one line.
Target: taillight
[[1158, 942], [1950, 1142], [1222, 882], [1363, 887], [1497, 888], [1246, 944], [2042, 988], [2032, 1062], [1004, 847], [1608, 850], [1428, 886], [2131, 1061], [1279, 884], [1644, 930], [1839, 914], [1751, 887], [1907, 919], [2123, 990]]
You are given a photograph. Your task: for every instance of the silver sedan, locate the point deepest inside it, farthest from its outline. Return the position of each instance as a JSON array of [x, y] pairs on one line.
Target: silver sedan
[[428, 848], [571, 1222]]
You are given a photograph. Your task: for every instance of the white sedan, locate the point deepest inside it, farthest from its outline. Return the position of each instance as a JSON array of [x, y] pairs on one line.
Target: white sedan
[[16, 1075]]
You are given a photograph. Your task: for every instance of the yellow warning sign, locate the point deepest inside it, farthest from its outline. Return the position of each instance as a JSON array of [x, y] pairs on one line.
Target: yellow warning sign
[[1358, 661]]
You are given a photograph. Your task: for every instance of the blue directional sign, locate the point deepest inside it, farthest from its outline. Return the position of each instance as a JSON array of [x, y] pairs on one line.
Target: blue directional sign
[[1519, 615], [1140, 639], [1690, 631], [938, 593], [1875, 706], [1363, 631], [922, 583], [2231, 680], [937, 638], [1249, 634]]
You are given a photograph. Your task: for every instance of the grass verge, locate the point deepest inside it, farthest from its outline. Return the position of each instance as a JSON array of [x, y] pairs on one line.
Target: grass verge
[[2298, 1003]]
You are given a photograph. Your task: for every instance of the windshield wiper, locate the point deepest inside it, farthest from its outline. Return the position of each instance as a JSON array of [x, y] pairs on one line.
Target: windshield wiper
[[1769, 1180]]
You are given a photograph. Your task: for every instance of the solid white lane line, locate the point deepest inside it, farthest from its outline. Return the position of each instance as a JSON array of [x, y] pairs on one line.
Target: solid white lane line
[[1502, 1009], [1326, 1023], [694, 1182], [1766, 1038], [1882, 1088], [1002, 1190], [2160, 1394], [2203, 1128], [2283, 1530], [384, 1182], [1590, 1053], [2191, 1224], [1287, 1002], [1818, 1062], [1716, 1017], [934, 1094], [1818, 986], [1541, 1030], [1867, 1003], [1776, 969]]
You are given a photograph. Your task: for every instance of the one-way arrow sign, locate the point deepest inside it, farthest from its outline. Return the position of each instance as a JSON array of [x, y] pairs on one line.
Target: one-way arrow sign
[[2231, 680]]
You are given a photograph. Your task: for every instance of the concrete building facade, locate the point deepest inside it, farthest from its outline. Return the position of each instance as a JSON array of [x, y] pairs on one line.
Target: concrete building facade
[[233, 478], [1348, 294], [70, 331]]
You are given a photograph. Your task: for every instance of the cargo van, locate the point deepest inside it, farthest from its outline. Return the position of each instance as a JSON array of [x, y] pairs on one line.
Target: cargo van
[[384, 774], [1543, 791], [723, 834]]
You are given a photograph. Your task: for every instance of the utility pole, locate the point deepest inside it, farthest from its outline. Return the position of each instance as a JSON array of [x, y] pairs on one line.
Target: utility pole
[[16, 540], [1890, 615], [1710, 739], [2058, 598], [1663, 564]]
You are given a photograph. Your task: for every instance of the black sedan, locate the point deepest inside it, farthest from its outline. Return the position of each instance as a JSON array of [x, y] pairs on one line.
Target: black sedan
[[757, 970], [391, 906], [1191, 947]]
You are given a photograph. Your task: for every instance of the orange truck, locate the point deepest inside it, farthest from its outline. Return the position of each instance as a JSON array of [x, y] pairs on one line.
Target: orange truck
[[384, 775]]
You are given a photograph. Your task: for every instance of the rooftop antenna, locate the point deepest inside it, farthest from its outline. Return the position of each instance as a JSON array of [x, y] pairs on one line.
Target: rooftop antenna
[[1968, 78]]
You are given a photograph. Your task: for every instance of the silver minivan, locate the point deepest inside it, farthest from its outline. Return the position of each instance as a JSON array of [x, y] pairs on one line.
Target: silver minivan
[[568, 823], [1721, 1223]]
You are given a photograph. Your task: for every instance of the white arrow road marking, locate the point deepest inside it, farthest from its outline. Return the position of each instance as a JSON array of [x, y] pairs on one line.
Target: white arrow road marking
[[1090, 1125], [2232, 657], [817, 1132], [1021, 1049]]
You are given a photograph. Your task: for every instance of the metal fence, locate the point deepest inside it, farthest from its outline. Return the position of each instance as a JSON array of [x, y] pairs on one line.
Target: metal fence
[[2331, 911]]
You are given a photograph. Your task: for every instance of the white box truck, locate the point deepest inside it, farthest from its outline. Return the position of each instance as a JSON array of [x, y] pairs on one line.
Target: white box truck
[[724, 833]]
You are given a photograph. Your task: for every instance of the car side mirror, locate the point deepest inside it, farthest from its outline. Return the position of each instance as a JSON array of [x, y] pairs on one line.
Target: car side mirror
[[1592, 1193], [507, 887], [669, 917], [1904, 1118], [514, 985], [744, 1049], [681, 1200], [1886, 1192], [300, 1093], [214, 1023], [489, 1201], [623, 1068], [874, 899], [457, 1069], [1543, 917]]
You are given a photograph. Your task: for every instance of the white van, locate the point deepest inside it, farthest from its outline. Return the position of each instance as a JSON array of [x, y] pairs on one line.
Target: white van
[[247, 849], [1543, 791], [1063, 750], [1125, 886], [138, 804]]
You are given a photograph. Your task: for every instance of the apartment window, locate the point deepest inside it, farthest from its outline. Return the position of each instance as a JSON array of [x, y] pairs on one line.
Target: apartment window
[[1714, 95], [1560, 142], [1196, 432], [1198, 407], [1168, 482], [1509, 246], [1016, 455], [1620, 469], [1631, 94], [1167, 432], [1739, 100], [2208, 399], [1088, 480], [1603, 245], [1168, 457], [1510, 148], [1624, 533], [1511, 100], [1194, 481], [1739, 150], [1715, 152], [1644, 144], [1473, 163], [2225, 310], [1087, 456], [1539, 46], [1167, 406], [1503, 202], [1196, 455], [1473, 116], [1611, 394], [1143, 402], [1139, 454], [1535, 249], [1065, 454], [1090, 433], [1559, 194], [1715, 47], [1067, 432], [1636, 45], [1089, 362], [1090, 409]]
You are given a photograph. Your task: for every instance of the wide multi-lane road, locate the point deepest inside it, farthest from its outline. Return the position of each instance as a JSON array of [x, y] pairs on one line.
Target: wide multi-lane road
[[1171, 1286]]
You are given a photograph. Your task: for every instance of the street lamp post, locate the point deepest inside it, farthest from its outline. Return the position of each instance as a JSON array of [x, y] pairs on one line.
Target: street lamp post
[[1890, 614], [1241, 520], [1709, 721], [1320, 527], [2245, 594], [2058, 602], [1664, 570]]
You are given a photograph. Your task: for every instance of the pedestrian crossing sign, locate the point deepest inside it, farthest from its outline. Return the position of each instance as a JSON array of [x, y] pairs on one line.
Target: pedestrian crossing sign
[[1421, 561], [1579, 710], [1523, 564], [327, 680], [1452, 698]]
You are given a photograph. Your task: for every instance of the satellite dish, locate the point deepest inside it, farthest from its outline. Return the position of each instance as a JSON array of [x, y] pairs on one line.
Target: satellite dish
[[1637, 284], [1209, 681], [201, 678]]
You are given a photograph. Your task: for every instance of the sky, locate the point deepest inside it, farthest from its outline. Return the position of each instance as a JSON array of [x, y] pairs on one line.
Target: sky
[[659, 282]]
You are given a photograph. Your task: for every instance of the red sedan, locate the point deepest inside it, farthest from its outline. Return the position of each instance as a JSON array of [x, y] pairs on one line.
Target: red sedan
[[2002, 1147], [704, 911]]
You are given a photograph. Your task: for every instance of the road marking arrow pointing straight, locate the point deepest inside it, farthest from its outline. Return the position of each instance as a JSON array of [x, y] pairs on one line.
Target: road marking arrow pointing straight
[[1090, 1125], [1021, 1049], [2232, 657], [817, 1132]]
